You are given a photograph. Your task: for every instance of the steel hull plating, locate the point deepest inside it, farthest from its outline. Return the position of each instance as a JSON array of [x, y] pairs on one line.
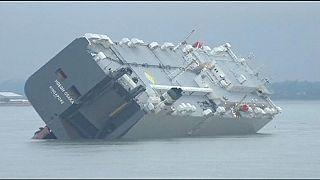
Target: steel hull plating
[[158, 126]]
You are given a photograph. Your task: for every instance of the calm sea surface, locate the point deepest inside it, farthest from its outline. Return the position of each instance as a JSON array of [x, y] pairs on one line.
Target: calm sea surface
[[288, 147]]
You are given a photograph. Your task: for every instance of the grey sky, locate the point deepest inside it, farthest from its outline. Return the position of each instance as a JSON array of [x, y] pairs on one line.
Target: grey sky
[[284, 36]]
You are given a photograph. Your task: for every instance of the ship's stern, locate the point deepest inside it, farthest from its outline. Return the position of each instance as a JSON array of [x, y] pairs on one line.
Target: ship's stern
[[77, 99]]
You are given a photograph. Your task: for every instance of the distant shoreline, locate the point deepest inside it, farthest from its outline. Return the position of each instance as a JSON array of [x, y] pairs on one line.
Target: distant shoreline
[[15, 104], [295, 99]]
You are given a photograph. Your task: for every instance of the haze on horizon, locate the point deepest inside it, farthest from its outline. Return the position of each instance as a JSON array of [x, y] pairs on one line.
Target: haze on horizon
[[283, 36]]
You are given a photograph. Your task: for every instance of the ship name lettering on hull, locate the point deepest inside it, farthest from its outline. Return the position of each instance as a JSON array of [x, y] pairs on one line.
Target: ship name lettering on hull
[[62, 89], [55, 95]]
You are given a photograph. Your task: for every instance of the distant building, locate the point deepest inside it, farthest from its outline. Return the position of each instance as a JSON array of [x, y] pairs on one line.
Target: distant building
[[11, 98]]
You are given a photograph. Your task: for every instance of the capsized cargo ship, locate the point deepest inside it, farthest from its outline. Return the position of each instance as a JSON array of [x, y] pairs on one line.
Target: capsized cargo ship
[[97, 88]]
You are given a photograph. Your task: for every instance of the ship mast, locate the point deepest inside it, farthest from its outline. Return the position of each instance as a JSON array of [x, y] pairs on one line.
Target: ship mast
[[184, 41]]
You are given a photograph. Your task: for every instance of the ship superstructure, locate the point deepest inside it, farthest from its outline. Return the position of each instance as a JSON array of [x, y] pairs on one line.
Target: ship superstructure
[[98, 88]]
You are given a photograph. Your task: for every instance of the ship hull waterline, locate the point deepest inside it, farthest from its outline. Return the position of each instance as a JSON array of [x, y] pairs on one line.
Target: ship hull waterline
[[153, 126]]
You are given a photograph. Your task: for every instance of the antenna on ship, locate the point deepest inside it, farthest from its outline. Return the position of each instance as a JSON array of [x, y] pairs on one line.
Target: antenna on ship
[[184, 41]]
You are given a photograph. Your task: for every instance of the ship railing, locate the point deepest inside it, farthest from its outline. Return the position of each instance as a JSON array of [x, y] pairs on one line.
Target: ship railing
[[191, 90]]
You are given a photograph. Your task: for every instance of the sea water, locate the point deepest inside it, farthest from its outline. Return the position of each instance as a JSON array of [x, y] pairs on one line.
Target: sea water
[[288, 147]]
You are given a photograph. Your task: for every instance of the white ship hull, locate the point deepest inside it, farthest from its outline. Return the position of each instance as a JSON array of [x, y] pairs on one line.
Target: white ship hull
[[159, 126]]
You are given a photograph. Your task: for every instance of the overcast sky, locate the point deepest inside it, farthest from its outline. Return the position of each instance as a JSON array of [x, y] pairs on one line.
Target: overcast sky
[[283, 36]]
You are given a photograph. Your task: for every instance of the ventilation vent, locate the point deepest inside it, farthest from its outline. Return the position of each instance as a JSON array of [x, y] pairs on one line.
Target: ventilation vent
[[61, 75], [74, 93]]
